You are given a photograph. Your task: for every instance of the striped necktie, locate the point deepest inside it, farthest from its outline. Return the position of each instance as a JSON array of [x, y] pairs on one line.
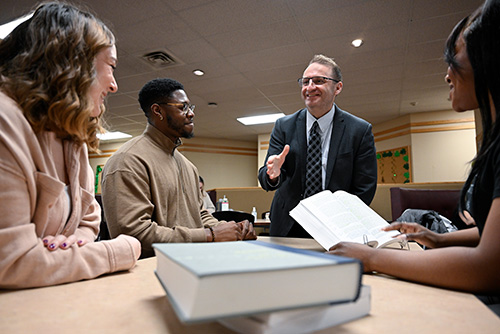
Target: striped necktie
[[313, 163]]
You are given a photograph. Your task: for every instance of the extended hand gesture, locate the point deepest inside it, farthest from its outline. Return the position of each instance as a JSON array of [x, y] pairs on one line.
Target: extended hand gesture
[[274, 163]]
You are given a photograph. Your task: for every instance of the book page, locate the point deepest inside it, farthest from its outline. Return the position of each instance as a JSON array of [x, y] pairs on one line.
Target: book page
[[347, 217], [313, 225]]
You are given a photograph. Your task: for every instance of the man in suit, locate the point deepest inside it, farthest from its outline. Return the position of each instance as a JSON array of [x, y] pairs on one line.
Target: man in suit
[[348, 159]]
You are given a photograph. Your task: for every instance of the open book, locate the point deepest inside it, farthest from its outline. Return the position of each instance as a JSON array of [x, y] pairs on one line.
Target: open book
[[333, 217]]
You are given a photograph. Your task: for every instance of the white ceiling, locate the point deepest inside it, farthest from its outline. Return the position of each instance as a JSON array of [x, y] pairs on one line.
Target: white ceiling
[[253, 51]]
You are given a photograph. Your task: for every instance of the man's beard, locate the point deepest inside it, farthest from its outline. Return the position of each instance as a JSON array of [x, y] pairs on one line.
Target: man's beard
[[179, 128], [187, 135]]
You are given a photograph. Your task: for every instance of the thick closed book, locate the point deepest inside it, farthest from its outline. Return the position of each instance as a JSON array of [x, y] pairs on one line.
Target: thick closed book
[[334, 217], [302, 320], [209, 281]]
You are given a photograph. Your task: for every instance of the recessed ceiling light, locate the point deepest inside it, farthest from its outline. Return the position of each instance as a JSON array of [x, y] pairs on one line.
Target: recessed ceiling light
[[357, 43], [261, 119], [7, 28], [113, 135], [198, 72]]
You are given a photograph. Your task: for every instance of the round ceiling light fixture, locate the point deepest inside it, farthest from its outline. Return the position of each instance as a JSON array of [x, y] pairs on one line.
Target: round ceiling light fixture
[[357, 43]]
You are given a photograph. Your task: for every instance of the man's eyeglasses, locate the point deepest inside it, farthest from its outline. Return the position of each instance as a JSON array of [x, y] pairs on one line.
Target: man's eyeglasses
[[317, 81], [184, 106]]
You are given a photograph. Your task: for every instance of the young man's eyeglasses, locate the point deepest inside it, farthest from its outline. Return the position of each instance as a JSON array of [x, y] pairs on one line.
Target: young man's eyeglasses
[[317, 81], [184, 106]]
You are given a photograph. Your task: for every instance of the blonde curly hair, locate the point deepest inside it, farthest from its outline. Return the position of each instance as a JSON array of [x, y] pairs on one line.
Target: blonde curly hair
[[47, 65]]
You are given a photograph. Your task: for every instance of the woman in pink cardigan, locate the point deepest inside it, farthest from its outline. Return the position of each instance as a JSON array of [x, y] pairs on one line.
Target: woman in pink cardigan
[[55, 71]]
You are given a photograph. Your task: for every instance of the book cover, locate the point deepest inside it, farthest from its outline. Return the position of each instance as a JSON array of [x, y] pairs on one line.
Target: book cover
[[207, 281], [302, 320], [334, 217]]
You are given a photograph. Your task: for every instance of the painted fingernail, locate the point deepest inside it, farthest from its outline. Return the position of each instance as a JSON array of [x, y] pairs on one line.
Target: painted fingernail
[[45, 241], [64, 245], [80, 242], [52, 246]]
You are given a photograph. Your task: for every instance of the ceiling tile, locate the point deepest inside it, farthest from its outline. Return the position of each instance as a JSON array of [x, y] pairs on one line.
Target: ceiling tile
[[229, 15], [252, 53], [275, 34]]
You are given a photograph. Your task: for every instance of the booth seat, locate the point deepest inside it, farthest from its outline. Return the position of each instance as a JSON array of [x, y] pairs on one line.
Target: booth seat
[[245, 198], [442, 201]]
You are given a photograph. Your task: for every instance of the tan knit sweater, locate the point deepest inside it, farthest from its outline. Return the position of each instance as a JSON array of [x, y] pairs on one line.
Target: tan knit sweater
[[151, 191]]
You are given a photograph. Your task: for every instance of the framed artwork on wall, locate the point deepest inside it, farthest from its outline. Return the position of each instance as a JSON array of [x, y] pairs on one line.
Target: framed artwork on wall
[[394, 165]]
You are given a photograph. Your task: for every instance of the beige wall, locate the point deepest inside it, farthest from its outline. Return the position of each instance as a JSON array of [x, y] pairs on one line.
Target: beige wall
[[220, 163], [441, 143], [223, 163], [245, 198], [263, 145], [442, 157], [392, 134]]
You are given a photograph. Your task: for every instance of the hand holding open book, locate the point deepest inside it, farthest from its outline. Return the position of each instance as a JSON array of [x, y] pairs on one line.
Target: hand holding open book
[[334, 217]]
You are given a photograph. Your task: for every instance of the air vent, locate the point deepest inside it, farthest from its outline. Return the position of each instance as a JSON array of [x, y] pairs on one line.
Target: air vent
[[159, 59]]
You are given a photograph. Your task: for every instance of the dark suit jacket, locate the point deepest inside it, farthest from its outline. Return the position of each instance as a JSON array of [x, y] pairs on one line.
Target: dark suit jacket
[[352, 163]]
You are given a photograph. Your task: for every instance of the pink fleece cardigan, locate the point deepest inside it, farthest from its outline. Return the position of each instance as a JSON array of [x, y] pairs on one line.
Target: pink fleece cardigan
[[34, 204]]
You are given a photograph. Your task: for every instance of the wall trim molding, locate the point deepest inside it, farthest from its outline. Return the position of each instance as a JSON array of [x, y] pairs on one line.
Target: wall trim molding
[[425, 127], [193, 147]]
